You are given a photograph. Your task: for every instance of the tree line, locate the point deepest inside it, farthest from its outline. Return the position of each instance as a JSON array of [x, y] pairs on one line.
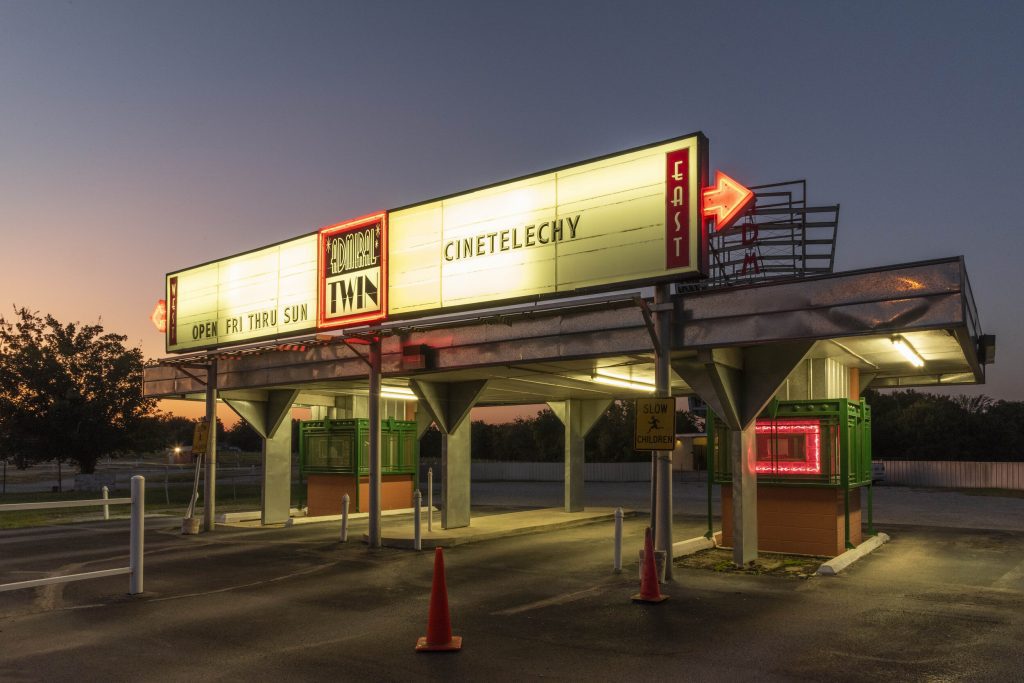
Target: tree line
[[912, 425]]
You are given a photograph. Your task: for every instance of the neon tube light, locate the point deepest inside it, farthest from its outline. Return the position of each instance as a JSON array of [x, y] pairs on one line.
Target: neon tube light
[[809, 429], [908, 351]]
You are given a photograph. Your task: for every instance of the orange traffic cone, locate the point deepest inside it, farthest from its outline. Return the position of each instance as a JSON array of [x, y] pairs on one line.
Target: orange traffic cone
[[439, 636], [649, 589]]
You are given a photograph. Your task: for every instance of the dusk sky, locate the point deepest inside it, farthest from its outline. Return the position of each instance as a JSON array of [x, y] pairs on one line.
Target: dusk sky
[[142, 137]]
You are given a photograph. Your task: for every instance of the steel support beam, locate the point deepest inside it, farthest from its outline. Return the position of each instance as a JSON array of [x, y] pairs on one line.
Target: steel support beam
[[662, 503], [578, 416], [374, 534], [210, 480]]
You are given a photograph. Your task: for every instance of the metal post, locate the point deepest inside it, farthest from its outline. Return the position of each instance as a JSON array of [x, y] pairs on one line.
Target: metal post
[[618, 540], [106, 508], [344, 518], [5, 477], [375, 471], [663, 503], [430, 499], [871, 509], [167, 490], [417, 501], [138, 531], [210, 481]]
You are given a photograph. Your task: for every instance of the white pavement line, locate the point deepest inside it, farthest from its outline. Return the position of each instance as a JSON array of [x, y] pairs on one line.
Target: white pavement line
[[294, 521], [557, 600], [1010, 579], [841, 562], [228, 589]]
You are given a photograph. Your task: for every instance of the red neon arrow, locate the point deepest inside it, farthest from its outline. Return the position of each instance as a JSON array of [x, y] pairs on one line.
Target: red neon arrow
[[725, 200], [159, 316]]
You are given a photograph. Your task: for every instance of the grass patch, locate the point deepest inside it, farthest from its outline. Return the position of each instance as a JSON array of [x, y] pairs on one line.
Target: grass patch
[[772, 564]]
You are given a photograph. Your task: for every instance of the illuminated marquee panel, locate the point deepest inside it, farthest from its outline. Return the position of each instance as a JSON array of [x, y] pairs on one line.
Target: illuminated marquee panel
[[263, 294], [626, 218], [353, 272], [788, 447]]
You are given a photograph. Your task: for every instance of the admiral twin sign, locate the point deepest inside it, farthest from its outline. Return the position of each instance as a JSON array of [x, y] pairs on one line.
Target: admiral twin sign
[[627, 218]]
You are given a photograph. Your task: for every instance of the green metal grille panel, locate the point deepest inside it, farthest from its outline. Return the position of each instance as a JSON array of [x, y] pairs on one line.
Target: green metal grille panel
[[335, 446]]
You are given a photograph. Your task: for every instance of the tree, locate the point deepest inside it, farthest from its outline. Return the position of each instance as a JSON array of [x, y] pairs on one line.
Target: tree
[[67, 391]]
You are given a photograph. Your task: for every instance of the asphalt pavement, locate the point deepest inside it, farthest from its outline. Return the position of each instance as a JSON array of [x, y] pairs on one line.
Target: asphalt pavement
[[936, 603]]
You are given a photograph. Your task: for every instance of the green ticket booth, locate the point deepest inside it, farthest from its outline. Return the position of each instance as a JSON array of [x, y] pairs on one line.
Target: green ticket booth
[[813, 459], [334, 459]]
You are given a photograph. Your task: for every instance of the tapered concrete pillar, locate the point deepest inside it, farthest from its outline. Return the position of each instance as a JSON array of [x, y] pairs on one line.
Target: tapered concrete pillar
[[738, 384], [277, 476], [579, 417], [456, 476], [271, 419], [448, 404], [743, 458]]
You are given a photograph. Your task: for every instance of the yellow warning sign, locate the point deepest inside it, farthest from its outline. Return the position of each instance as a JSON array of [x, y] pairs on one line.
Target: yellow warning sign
[[200, 437], [655, 427]]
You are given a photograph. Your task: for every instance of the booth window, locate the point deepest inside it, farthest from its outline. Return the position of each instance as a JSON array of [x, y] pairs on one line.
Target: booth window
[[788, 447]]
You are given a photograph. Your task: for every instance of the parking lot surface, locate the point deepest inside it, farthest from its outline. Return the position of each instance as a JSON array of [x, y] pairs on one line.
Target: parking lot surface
[[294, 604]]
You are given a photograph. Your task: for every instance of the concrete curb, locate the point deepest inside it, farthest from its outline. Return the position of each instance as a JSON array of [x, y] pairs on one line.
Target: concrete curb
[[841, 562], [294, 521], [693, 545]]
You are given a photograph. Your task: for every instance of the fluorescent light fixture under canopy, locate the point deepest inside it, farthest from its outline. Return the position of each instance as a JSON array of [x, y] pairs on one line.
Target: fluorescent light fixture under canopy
[[908, 351], [602, 377]]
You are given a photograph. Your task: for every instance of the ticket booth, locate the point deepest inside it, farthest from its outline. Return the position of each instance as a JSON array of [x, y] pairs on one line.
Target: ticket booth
[[813, 459], [333, 459]]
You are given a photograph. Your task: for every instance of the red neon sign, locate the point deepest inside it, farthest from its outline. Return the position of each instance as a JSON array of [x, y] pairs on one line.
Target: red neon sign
[[786, 463], [677, 208], [352, 268], [159, 315], [725, 200]]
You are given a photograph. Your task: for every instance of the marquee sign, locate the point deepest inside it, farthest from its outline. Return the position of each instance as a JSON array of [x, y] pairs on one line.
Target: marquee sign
[[262, 294], [352, 273], [626, 218]]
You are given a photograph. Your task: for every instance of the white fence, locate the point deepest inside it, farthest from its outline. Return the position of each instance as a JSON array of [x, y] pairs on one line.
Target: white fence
[[555, 471], [955, 474], [136, 537]]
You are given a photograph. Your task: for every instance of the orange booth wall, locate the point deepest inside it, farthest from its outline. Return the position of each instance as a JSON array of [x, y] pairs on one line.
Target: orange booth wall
[[805, 521], [324, 492]]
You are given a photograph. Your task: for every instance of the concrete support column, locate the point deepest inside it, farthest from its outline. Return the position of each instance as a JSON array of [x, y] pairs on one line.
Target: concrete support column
[[456, 448], [737, 384], [743, 458], [448, 405], [277, 476], [579, 417], [270, 417]]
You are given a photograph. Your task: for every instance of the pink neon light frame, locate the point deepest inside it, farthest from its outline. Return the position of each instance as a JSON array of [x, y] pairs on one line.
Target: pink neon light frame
[[810, 429]]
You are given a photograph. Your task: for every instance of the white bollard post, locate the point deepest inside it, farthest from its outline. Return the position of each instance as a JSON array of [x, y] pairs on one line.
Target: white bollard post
[[344, 518], [106, 508], [138, 531], [618, 540], [417, 501], [430, 499]]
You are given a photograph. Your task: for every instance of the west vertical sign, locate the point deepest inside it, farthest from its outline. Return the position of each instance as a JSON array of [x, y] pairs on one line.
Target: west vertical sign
[[353, 272]]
